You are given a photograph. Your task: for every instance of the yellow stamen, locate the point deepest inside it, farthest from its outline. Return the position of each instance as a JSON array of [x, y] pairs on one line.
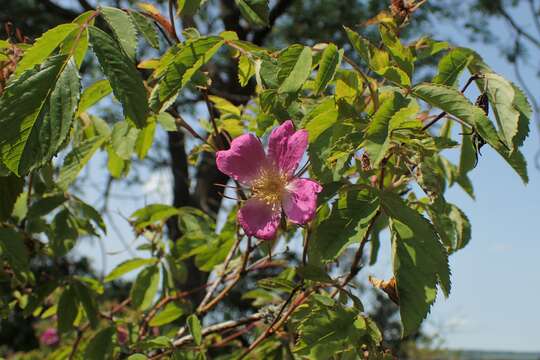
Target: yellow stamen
[[269, 186]]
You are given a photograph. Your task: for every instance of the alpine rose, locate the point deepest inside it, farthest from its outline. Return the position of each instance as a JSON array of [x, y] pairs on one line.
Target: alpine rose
[[274, 187]]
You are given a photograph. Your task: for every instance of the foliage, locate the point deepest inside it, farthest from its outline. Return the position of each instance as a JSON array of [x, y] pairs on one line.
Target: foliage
[[370, 143]]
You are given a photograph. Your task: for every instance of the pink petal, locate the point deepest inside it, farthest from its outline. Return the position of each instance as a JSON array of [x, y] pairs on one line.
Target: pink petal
[[259, 219], [243, 160], [300, 202], [286, 147]]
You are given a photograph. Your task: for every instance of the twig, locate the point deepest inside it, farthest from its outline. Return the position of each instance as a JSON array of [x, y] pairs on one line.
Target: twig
[[171, 18], [214, 286], [204, 309]]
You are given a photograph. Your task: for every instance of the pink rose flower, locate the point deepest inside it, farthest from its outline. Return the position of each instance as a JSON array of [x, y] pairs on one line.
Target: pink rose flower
[[49, 337], [274, 187]]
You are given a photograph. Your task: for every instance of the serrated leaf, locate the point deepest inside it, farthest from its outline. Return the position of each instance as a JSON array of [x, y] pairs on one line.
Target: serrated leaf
[[44, 46], [100, 347], [126, 267], [10, 188], [145, 287], [321, 118], [454, 103], [146, 28], [329, 330], [351, 213], [93, 94], [294, 68], [77, 159], [39, 107], [401, 54], [393, 111], [419, 259], [171, 312], [256, 12], [125, 80], [123, 28], [452, 65], [451, 223], [195, 328], [69, 307], [328, 65], [375, 58], [179, 68]]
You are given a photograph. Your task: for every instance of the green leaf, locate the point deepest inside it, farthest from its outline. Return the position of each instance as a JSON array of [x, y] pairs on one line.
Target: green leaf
[[145, 139], [126, 267], [64, 233], [123, 29], [321, 118], [167, 121], [123, 139], [14, 251], [294, 68], [256, 12], [351, 213], [454, 103], [68, 309], [452, 65], [328, 65], [419, 259], [467, 157], [137, 357], [44, 46], [10, 188], [146, 28], [145, 287], [451, 223], [195, 328], [77, 159], [246, 70], [125, 80], [39, 107], [401, 54], [393, 112], [375, 58], [117, 166], [511, 109], [100, 347], [188, 7], [170, 313], [46, 204], [180, 67], [151, 214], [93, 94], [326, 331], [88, 300]]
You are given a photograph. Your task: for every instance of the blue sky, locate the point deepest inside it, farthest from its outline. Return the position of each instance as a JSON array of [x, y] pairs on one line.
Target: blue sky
[[496, 290]]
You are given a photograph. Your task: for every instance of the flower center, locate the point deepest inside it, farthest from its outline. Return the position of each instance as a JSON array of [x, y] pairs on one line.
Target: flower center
[[269, 186]]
